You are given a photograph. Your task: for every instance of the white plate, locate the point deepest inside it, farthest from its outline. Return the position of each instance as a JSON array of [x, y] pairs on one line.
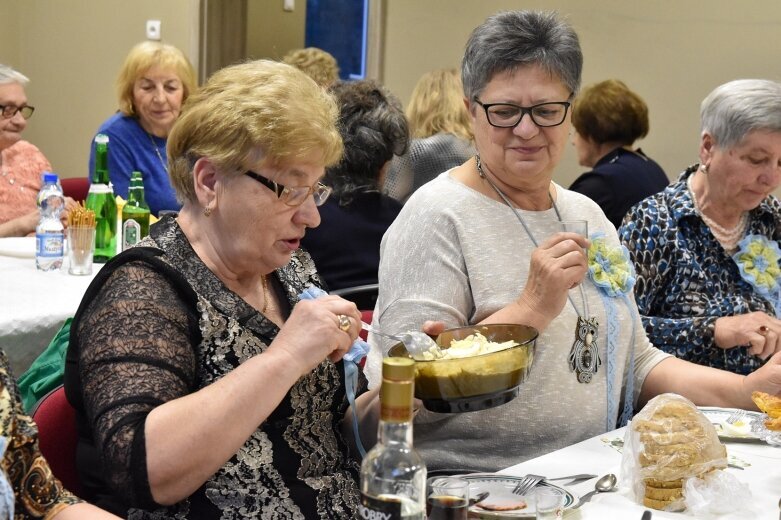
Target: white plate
[[20, 247], [501, 488], [751, 427]]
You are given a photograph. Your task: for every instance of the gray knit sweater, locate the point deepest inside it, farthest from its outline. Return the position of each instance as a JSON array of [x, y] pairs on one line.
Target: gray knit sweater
[[458, 256]]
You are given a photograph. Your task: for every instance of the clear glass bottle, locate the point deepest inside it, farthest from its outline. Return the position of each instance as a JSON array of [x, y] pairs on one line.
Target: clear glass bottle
[[135, 213], [100, 199], [393, 476], [49, 234]]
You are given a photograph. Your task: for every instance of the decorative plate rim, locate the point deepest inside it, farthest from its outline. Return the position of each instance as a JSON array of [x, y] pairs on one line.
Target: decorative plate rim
[[528, 512], [758, 430]]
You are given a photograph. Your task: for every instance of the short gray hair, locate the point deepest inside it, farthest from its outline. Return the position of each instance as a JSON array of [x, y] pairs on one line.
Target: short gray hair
[[512, 39], [9, 75], [735, 109]]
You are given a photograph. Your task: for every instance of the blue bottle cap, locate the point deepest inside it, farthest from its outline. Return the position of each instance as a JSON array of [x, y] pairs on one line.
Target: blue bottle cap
[[50, 177]]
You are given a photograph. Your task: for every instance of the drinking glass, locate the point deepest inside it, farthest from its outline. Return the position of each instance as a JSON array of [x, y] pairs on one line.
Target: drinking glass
[[574, 226], [81, 248], [447, 498], [549, 503]]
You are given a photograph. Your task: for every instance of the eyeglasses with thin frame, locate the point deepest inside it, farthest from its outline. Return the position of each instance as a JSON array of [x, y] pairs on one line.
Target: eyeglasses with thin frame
[[507, 115], [296, 195], [10, 111]]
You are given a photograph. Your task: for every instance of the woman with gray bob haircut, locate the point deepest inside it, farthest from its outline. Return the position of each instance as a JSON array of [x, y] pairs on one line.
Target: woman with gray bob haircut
[[482, 244], [517, 39], [714, 298]]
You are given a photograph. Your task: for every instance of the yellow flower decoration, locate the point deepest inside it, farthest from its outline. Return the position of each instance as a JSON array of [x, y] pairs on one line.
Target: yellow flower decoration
[[609, 266], [757, 259]]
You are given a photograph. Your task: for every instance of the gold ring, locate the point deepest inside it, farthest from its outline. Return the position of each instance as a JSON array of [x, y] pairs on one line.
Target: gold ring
[[763, 330], [344, 322]]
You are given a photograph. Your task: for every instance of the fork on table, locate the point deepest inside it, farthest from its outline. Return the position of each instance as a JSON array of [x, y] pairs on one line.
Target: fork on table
[[736, 416], [527, 483]]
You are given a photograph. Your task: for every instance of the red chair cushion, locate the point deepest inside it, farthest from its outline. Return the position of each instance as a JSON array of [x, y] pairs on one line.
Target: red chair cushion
[[57, 437], [75, 188]]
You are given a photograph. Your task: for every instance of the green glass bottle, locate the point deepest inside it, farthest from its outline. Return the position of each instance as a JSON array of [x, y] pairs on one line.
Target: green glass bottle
[[100, 199], [135, 213]]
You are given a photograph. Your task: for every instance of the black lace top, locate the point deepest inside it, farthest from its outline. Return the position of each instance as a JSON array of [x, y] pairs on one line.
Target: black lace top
[[157, 324]]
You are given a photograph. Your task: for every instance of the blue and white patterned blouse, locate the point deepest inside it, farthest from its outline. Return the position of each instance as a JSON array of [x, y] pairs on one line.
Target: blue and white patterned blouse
[[685, 279]]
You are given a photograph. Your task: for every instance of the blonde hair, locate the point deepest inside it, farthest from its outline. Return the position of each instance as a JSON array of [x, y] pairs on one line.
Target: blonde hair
[[437, 106], [258, 110], [316, 63], [143, 57]]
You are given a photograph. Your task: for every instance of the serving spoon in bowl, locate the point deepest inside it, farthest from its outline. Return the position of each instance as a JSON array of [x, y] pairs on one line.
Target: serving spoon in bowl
[[415, 342]]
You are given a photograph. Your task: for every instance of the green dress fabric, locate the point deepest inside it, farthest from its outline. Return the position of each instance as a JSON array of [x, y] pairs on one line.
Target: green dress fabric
[[46, 372]]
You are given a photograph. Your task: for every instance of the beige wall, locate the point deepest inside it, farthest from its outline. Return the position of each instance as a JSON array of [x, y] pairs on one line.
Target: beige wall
[[72, 50], [671, 52], [272, 32]]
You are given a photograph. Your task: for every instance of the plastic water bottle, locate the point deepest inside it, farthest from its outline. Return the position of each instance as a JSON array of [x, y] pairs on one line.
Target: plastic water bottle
[[49, 234]]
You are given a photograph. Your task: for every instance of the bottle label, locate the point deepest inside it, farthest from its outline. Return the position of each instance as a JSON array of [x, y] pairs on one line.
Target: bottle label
[[131, 233], [49, 245], [379, 508]]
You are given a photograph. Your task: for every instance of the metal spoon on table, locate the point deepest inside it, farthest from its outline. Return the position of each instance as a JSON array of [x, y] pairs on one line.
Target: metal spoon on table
[[603, 485], [415, 342]]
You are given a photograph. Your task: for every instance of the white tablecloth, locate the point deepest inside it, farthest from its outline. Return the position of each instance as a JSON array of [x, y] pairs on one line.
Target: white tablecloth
[[34, 305], [594, 455]]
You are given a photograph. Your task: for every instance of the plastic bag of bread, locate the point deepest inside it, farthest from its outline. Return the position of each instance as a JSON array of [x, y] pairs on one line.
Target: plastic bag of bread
[[670, 450]]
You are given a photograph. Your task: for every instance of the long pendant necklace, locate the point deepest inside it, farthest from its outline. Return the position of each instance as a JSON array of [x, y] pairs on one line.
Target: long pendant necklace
[[157, 151], [584, 358]]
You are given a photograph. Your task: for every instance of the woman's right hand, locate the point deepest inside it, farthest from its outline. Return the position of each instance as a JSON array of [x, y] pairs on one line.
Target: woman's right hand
[[556, 266], [758, 330], [312, 332]]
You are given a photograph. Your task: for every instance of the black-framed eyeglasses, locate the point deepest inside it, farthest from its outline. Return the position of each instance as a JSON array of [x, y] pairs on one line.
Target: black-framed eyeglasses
[[10, 111], [507, 115], [294, 196]]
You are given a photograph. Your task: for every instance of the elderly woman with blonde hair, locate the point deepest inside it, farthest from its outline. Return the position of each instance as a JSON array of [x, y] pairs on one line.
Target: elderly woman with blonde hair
[[152, 84], [440, 131], [204, 384], [316, 63]]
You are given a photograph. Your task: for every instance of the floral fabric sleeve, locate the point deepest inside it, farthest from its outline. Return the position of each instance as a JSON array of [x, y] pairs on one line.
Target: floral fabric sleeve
[[37, 491], [650, 236]]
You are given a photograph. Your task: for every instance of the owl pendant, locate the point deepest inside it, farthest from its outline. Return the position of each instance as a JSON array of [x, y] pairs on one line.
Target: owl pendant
[[584, 357]]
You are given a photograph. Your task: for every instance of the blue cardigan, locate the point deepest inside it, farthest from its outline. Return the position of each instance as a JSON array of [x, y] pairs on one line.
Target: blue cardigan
[[131, 148], [620, 180]]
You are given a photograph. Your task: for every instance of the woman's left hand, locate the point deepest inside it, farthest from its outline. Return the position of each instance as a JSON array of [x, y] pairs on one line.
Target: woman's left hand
[[758, 330]]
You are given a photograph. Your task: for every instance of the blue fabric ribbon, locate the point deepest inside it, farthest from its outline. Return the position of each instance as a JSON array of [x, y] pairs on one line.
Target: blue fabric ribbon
[[613, 375], [354, 356]]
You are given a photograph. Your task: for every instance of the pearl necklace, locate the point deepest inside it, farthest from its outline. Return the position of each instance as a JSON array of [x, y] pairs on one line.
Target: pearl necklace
[[728, 238]]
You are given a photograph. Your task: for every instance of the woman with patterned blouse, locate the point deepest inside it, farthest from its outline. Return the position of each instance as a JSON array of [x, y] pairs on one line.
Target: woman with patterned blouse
[[206, 387], [705, 249], [27, 487]]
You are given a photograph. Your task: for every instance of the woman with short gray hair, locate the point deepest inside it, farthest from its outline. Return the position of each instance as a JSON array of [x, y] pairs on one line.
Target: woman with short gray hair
[[705, 249], [482, 244]]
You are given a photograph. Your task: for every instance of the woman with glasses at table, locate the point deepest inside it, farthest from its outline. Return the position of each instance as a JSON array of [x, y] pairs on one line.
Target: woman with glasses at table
[[21, 163], [205, 386], [480, 244]]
